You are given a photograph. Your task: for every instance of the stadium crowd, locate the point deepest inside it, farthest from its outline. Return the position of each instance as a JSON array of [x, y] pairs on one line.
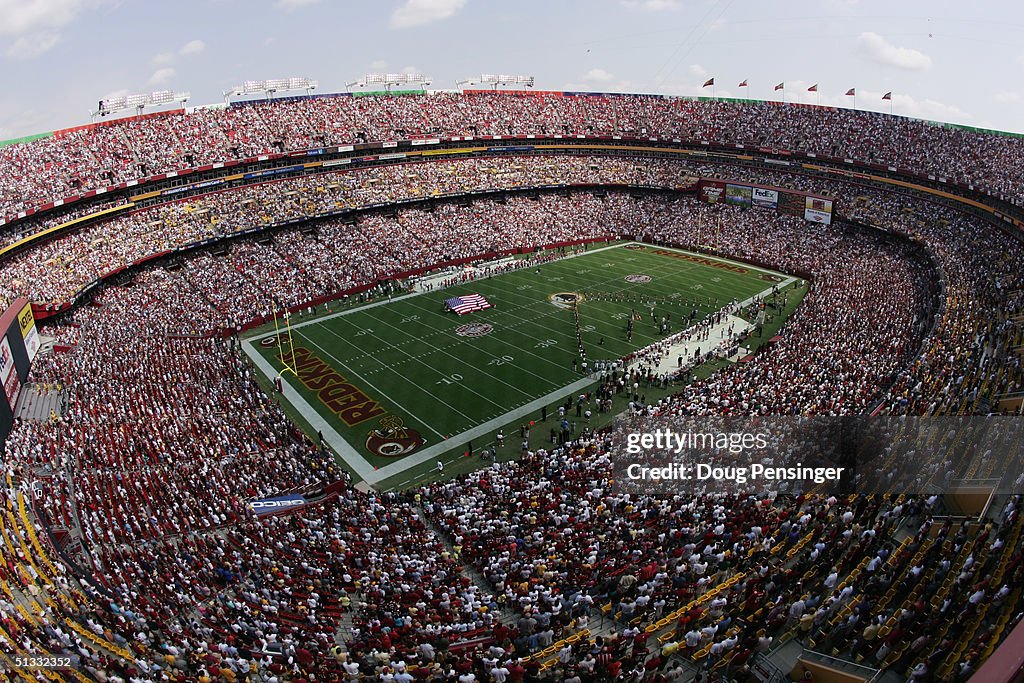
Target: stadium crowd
[[55, 271], [71, 162], [166, 436]]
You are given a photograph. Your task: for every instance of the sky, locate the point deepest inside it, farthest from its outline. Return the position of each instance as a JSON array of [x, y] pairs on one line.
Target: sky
[[942, 60]]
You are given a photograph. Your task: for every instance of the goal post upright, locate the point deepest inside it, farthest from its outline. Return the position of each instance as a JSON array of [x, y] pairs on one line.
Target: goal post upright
[[291, 346]]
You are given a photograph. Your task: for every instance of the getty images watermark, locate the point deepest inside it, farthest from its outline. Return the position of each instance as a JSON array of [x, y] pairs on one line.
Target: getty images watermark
[[719, 444], [832, 455]]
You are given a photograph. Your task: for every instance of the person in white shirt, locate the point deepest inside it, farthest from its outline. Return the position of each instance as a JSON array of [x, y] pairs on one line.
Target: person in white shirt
[[351, 669], [692, 638]]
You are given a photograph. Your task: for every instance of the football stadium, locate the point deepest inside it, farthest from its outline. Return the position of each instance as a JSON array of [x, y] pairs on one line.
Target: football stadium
[[491, 382]]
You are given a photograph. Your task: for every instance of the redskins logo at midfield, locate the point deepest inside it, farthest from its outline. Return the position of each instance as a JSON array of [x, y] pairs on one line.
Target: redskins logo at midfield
[[393, 439], [474, 330], [637, 278], [566, 299]]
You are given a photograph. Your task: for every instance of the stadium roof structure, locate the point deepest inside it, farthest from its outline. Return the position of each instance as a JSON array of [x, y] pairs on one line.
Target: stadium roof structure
[[497, 80], [389, 80], [271, 86], [138, 102]]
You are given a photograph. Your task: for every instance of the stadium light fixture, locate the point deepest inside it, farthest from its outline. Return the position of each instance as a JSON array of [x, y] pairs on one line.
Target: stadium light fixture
[[138, 102], [390, 80], [272, 85]]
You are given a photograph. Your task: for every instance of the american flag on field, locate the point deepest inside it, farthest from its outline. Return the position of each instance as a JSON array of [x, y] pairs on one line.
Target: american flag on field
[[467, 303]]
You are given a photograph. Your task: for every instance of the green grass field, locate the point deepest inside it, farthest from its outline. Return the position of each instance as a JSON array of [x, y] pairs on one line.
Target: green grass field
[[398, 378]]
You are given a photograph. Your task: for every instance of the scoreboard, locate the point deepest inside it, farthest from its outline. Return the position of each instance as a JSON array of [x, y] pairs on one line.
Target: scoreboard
[[19, 344]]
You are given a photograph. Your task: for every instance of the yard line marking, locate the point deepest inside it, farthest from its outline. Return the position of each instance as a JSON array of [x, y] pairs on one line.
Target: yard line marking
[[517, 349], [383, 394], [429, 367], [451, 355]]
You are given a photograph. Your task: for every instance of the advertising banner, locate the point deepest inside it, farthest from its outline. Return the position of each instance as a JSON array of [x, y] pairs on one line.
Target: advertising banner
[[12, 387], [712, 191], [818, 216], [6, 360], [738, 195], [270, 506], [26, 321], [32, 343], [765, 198], [818, 210]]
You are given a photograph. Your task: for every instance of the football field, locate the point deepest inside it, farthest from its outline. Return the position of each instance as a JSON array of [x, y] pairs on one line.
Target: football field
[[407, 380]]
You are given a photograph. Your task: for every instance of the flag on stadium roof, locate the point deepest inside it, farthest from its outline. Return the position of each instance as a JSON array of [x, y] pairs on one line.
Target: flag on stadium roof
[[743, 84], [467, 303], [887, 96], [813, 88], [710, 81], [852, 92], [780, 86]]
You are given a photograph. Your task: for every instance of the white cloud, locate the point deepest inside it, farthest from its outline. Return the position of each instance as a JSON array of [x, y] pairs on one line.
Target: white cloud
[[378, 64], [1008, 97], [35, 25], [884, 52], [162, 75], [929, 109], [652, 5], [599, 75], [32, 45], [295, 4], [28, 16], [419, 12], [193, 47], [697, 71]]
